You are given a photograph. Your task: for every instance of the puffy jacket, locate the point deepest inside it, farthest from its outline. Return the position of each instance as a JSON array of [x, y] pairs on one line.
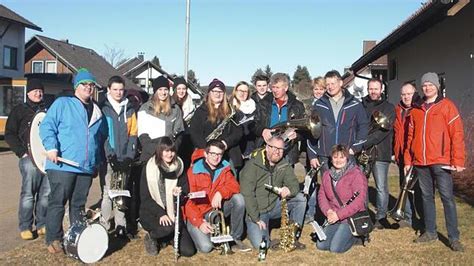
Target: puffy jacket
[[352, 181], [400, 131], [377, 137], [435, 135], [350, 128], [256, 174], [152, 127], [200, 179], [200, 128], [17, 128], [122, 130], [66, 129], [267, 108]]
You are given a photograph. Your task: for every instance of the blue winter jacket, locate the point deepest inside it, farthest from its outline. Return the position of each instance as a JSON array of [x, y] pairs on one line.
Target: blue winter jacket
[[350, 128], [66, 130]]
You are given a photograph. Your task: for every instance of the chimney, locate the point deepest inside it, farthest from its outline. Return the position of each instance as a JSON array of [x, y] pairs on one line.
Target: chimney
[[368, 45], [64, 40], [141, 56]]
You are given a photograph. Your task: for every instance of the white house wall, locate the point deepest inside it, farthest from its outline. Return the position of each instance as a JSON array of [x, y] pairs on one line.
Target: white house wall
[[446, 47], [14, 37]]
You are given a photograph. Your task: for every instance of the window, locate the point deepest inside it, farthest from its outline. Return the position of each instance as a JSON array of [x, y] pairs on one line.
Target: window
[[50, 67], [11, 96], [37, 67], [392, 70], [10, 57]]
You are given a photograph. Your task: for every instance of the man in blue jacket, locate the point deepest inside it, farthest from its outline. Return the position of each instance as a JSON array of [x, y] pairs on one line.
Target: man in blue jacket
[[344, 121], [73, 129]]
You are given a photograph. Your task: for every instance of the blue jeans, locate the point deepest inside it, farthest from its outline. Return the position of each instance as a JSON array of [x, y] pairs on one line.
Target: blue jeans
[[235, 207], [65, 186], [444, 182], [34, 193], [339, 238], [380, 171], [296, 208], [312, 201]]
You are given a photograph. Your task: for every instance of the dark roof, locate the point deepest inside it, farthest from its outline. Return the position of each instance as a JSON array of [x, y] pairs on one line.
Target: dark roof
[[428, 15], [76, 57], [9, 15], [129, 65]]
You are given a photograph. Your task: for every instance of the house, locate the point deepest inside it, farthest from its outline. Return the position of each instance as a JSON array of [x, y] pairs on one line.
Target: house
[[143, 72], [356, 83], [56, 62], [12, 40], [439, 38]]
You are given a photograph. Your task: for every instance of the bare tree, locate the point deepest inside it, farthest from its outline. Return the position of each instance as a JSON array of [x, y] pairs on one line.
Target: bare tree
[[114, 55]]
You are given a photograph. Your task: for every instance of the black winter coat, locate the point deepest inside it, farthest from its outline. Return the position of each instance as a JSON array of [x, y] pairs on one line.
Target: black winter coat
[[380, 138], [17, 128], [263, 118], [200, 128]]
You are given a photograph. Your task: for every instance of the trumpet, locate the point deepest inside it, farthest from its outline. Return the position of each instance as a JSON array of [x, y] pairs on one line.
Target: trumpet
[[398, 212]]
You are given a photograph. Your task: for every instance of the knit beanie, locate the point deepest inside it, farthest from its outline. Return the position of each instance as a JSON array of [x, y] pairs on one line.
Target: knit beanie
[[160, 82], [83, 75], [215, 83], [432, 78], [178, 81], [33, 84]]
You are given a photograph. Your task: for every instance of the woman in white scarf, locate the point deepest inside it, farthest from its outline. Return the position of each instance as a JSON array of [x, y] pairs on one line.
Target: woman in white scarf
[[162, 180], [245, 108]]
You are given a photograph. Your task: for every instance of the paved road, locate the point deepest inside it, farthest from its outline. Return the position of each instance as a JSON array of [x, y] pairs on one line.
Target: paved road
[[9, 197]]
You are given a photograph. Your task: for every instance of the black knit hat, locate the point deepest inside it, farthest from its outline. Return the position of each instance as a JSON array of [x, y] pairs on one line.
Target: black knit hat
[[160, 82], [215, 83], [178, 81], [33, 84]]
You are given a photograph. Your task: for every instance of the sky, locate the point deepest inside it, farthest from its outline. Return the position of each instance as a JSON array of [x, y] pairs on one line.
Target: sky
[[229, 39]]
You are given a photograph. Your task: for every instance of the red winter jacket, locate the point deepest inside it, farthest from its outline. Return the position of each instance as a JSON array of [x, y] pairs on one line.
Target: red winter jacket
[[352, 181], [199, 179], [435, 135], [400, 129]]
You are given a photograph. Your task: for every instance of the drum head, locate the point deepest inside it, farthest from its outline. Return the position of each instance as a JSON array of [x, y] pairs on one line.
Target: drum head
[[92, 244], [35, 145]]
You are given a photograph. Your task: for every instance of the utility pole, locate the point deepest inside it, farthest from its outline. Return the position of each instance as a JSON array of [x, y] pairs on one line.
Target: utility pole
[[186, 41]]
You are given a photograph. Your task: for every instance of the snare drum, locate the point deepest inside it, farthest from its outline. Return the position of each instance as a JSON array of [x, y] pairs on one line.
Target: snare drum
[[86, 242]]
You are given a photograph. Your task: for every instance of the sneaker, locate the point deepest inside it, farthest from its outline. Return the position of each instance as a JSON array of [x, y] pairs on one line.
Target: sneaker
[[55, 247], [241, 246], [41, 231], [456, 245], [121, 233], [299, 245], [151, 246], [426, 238], [26, 235]]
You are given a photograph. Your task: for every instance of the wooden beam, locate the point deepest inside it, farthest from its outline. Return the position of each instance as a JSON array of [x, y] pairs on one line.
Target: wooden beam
[[458, 6]]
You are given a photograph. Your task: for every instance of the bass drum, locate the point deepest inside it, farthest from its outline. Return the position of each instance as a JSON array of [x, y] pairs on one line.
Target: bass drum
[[35, 146], [86, 242]]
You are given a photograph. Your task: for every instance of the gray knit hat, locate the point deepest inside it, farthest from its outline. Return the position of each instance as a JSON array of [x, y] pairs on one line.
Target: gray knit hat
[[432, 78]]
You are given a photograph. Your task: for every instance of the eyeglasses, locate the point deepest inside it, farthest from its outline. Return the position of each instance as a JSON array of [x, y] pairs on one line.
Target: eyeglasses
[[215, 154], [90, 85], [276, 148], [217, 92], [243, 91]]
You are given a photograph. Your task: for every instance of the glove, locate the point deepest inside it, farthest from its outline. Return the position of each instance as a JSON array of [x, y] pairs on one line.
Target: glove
[[114, 163], [124, 166]]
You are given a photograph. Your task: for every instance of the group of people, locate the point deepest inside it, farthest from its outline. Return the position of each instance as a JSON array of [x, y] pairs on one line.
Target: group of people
[[229, 151]]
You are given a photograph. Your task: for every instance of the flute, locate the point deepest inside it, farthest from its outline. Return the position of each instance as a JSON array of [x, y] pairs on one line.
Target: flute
[[176, 229]]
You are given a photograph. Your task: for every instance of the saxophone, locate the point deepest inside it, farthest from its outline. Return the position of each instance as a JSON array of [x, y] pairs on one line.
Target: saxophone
[[217, 132], [288, 229]]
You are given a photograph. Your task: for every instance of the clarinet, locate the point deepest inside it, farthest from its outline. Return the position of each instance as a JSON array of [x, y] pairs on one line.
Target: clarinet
[[354, 196], [176, 230]]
